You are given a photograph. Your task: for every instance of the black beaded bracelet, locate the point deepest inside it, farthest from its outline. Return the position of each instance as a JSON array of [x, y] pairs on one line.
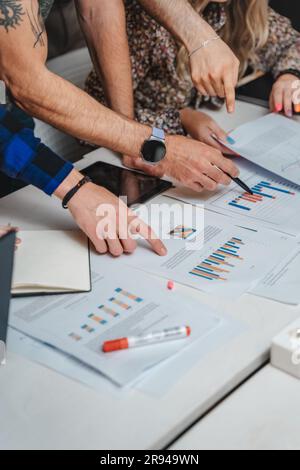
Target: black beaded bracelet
[[74, 191]]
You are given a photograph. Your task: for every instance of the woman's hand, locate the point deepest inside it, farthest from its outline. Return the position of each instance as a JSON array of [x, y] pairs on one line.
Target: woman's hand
[[202, 127], [284, 95], [5, 230]]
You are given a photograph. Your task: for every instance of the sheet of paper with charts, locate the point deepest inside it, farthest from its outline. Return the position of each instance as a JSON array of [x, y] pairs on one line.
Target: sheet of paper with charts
[[118, 307], [273, 143], [282, 283], [229, 261], [156, 382], [275, 203]]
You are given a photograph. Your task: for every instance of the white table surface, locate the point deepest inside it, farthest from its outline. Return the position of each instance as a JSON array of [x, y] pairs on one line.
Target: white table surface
[[41, 409], [263, 414]]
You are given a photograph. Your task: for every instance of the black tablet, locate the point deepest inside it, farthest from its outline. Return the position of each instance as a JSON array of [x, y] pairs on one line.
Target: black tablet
[[137, 187], [7, 250]]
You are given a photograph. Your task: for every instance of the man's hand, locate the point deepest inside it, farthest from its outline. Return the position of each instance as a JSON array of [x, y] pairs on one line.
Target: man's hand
[[194, 164], [106, 220], [197, 165]]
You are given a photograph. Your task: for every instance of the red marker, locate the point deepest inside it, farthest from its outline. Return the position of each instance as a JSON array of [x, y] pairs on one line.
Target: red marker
[[171, 334]]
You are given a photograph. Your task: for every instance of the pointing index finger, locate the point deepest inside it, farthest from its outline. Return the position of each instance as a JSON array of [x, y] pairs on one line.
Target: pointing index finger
[[229, 94], [139, 227]]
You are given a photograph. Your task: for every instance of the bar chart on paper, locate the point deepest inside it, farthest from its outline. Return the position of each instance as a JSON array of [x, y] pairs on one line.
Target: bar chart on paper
[[229, 262], [221, 262], [79, 324], [92, 324], [275, 202]]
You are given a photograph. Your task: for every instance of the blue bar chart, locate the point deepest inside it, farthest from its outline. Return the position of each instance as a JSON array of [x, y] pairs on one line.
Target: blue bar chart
[[219, 264], [274, 202], [261, 192], [112, 310]]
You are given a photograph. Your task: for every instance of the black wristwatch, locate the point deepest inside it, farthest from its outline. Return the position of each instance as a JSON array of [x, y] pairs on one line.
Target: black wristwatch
[[154, 150]]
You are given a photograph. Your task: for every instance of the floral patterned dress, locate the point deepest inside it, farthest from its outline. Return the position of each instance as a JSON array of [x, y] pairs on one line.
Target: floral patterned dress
[[158, 91]]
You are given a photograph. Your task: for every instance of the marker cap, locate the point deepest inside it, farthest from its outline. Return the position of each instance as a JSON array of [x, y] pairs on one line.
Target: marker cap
[[117, 345]]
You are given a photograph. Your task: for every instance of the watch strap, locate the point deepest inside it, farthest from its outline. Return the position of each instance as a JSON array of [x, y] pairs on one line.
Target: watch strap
[[158, 134]]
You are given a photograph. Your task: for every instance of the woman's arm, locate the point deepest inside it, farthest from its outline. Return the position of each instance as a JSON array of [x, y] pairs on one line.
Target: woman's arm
[[212, 68], [281, 57], [282, 51]]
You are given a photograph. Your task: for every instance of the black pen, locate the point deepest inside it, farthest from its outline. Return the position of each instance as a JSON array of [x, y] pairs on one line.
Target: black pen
[[238, 181], [241, 184]]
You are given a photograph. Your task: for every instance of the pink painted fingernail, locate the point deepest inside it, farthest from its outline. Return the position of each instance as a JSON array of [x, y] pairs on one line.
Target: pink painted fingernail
[[278, 108]]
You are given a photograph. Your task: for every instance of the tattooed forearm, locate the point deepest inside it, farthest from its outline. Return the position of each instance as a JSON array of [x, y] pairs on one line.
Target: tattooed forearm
[[11, 13], [37, 25]]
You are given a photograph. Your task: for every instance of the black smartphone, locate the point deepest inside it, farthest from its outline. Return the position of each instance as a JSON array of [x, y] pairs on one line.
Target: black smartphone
[[137, 187]]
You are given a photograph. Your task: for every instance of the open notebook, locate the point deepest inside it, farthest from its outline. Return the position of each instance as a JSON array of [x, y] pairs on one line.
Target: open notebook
[[52, 262]]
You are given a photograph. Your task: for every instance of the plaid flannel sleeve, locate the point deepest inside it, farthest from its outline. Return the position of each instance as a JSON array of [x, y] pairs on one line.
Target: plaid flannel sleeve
[[24, 157]]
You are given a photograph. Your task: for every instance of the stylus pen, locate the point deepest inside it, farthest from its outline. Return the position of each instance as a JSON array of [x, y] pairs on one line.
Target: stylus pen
[[238, 181], [241, 184]]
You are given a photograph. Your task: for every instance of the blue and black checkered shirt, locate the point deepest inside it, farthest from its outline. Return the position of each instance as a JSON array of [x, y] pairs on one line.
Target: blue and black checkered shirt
[[24, 157]]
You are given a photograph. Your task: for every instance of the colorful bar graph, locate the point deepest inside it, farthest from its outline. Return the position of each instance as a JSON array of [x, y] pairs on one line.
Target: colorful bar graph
[[182, 232], [262, 191], [121, 304], [129, 295], [75, 337], [97, 319], [216, 266], [88, 328], [109, 311]]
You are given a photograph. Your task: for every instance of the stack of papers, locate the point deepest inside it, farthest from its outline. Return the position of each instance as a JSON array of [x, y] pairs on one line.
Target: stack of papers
[[118, 307], [271, 142]]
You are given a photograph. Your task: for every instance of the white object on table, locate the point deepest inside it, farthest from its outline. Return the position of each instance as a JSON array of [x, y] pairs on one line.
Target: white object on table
[[285, 352], [263, 414], [41, 409]]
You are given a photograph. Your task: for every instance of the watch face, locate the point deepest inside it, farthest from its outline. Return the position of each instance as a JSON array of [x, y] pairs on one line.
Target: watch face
[[154, 151]]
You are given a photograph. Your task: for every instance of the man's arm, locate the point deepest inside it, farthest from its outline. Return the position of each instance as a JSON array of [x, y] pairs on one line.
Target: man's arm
[[23, 156], [104, 26], [51, 98], [214, 68]]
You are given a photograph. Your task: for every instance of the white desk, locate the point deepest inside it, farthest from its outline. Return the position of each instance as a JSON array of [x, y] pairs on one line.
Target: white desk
[[263, 414], [40, 409]]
